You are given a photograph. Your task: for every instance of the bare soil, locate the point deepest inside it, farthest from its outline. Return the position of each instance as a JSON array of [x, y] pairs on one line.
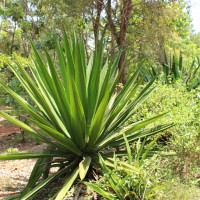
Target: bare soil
[[14, 174]]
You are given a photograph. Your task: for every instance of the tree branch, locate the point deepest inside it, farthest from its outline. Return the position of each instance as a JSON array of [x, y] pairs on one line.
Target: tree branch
[[111, 23]]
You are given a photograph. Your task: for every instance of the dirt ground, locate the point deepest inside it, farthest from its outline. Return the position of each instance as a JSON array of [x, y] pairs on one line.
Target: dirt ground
[[14, 174]]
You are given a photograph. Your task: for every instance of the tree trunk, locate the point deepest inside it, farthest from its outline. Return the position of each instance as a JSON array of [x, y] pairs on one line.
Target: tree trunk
[[120, 36], [96, 21], [13, 38]]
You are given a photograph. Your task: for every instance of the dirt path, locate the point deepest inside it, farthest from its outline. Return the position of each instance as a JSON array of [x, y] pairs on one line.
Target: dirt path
[[14, 176]]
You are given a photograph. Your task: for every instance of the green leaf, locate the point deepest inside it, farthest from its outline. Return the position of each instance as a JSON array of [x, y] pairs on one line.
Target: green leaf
[[100, 191], [84, 166], [38, 170], [43, 184], [67, 184], [128, 149], [25, 156], [149, 146]]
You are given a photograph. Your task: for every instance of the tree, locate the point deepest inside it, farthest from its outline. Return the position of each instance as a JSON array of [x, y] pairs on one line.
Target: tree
[[120, 36], [139, 27], [156, 25], [11, 13], [136, 27], [195, 38], [18, 24]]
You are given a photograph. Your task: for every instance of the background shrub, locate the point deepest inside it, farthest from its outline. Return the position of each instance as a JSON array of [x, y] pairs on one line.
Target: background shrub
[[184, 137]]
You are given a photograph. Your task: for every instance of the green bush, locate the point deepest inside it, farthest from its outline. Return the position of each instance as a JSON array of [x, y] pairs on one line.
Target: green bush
[[183, 138], [7, 77]]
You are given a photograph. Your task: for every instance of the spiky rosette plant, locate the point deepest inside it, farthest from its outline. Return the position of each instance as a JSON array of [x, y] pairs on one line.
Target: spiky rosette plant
[[78, 112]]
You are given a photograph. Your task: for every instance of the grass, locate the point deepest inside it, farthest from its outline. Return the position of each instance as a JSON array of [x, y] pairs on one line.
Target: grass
[[180, 191]]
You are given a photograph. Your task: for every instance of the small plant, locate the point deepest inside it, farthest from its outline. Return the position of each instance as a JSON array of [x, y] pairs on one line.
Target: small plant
[[12, 150], [174, 68], [77, 112], [135, 181]]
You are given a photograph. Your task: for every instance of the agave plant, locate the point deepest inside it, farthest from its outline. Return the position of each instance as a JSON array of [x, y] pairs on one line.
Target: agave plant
[[177, 69], [77, 111]]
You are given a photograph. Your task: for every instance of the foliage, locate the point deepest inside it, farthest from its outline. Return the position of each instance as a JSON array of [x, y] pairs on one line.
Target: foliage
[[195, 38], [182, 192], [12, 150], [8, 78], [73, 101], [183, 138], [78, 111], [4, 76], [25, 20], [175, 67], [139, 27], [156, 25], [138, 179], [11, 14]]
